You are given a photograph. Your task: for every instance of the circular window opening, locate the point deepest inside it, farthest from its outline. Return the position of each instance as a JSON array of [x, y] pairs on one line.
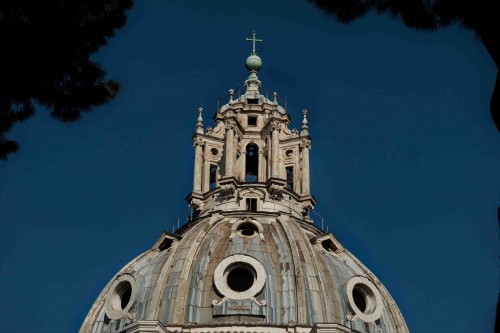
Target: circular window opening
[[364, 299], [289, 153], [121, 296], [248, 229], [240, 278], [214, 151], [359, 299], [247, 232]]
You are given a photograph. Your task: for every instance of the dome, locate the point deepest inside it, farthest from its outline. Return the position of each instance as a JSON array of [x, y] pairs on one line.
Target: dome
[[253, 63], [240, 268], [250, 259]]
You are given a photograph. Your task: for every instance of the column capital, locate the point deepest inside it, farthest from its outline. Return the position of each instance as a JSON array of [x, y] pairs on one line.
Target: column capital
[[275, 125], [230, 124], [198, 141], [305, 143]]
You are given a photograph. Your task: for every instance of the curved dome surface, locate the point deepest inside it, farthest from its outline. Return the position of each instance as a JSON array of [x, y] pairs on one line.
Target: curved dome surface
[[305, 274]]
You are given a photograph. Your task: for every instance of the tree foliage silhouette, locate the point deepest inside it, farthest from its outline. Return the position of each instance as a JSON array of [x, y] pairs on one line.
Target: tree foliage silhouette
[[481, 16], [45, 50]]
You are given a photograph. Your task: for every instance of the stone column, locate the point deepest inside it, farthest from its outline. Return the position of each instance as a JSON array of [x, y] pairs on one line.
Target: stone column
[[262, 167], [242, 167], [305, 167], [275, 143], [198, 163], [268, 158], [297, 173], [206, 172], [229, 166]]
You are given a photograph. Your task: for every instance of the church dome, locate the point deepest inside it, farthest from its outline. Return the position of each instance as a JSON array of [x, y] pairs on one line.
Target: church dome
[[250, 258], [252, 269]]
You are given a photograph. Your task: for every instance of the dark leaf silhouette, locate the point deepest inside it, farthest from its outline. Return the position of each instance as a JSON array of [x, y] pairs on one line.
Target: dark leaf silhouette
[[481, 16], [45, 58]]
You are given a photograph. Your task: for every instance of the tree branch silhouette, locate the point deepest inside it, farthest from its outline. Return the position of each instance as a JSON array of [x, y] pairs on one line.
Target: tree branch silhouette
[[45, 59], [480, 16]]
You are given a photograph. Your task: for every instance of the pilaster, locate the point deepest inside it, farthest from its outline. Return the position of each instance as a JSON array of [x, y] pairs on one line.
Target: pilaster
[[305, 146], [198, 163], [230, 151]]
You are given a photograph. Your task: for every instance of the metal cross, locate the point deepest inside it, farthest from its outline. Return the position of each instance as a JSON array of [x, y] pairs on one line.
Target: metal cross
[[253, 40]]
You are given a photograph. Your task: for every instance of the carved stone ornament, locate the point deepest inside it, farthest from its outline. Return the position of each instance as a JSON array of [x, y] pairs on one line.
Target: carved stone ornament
[[239, 116], [285, 133], [265, 149], [306, 206], [248, 219], [227, 189], [266, 115], [275, 125], [275, 189], [230, 124], [197, 204], [305, 144], [218, 127], [198, 141]]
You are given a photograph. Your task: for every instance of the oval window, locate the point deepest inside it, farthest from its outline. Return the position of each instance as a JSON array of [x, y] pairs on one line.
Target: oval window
[[247, 229], [364, 299], [122, 296]]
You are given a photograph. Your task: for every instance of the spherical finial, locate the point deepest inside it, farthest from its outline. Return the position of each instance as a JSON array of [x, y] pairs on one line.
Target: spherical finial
[[253, 63]]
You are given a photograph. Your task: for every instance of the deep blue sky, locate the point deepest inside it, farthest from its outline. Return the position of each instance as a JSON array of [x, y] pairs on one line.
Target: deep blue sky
[[405, 158]]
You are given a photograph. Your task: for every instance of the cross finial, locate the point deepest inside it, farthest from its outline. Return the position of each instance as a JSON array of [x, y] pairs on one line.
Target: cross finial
[[253, 40]]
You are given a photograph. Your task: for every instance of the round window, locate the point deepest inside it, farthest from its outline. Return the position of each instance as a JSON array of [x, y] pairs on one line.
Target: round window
[[122, 295], [289, 153], [214, 151], [239, 277], [359, 299], [247, 229], [364, 298]]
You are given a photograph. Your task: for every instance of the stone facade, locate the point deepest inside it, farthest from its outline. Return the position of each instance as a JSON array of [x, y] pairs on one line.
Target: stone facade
[[250, 259]]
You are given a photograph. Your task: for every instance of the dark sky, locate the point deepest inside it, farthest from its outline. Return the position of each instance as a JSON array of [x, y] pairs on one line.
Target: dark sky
[[405, 158]]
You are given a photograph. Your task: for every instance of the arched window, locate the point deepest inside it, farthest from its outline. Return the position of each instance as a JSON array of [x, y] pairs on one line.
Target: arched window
[[289, 178], [252, 163], [213, 176]]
